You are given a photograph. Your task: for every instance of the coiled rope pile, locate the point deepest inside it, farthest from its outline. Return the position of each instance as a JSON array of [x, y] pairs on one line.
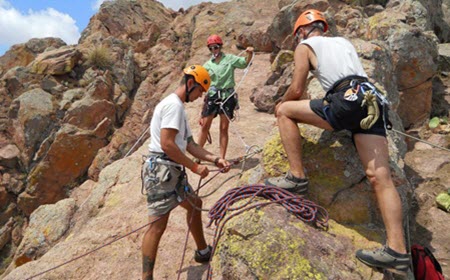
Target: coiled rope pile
[[301, 208]]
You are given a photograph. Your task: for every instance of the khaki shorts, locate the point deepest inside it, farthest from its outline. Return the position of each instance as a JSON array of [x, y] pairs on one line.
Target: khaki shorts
[[165, 187]]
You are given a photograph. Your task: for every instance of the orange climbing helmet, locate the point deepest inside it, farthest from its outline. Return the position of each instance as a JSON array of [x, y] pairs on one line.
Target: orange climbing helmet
[[200, 74], [308, 17], [214, 39]]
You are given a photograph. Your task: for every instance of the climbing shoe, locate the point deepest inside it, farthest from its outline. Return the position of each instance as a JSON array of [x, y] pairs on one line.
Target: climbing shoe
[[289, 183], [385, 258], [203, 258]]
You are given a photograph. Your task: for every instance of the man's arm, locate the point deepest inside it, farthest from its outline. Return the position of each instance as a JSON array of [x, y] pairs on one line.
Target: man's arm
[[301, 69], [172, 150], [200, 153]]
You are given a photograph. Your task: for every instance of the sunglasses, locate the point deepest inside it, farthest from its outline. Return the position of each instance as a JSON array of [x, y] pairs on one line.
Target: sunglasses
[[216, 47]]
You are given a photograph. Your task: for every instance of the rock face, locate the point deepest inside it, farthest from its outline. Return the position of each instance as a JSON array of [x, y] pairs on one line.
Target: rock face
[[47, 225], [68, 114], [23, 54], [270, 243]]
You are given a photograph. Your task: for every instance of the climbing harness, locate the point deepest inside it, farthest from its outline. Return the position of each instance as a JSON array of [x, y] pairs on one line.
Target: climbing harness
[[350, 90], [158, 181], [162, 178]]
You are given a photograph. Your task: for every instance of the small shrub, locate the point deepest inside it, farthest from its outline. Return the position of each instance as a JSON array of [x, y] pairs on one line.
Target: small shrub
[[100, 57]]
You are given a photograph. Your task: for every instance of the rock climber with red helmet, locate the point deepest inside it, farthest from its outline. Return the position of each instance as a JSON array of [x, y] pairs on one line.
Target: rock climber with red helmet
[[163, 172], [335, 63], [221, 99]]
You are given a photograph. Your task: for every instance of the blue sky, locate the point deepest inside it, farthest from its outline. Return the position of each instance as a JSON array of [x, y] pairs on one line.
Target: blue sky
[[21, 20]]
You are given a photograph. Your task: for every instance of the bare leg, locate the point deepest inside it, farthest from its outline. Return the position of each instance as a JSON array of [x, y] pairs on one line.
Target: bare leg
[[289, 114], [194, 218], [150, 244], [203, 133], [224, 125], [373, 151]]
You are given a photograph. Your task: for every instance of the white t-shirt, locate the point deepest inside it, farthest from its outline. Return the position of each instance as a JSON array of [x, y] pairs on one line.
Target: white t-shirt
[[169, 113], [336, 59]]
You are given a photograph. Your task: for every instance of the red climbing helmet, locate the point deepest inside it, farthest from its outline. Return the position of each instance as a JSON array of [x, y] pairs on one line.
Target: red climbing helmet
[[214, 39], [308, 17]]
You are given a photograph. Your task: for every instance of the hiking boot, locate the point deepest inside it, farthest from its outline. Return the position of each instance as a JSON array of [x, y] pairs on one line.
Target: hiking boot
[[289, 183], [198, 257], [385, 258]]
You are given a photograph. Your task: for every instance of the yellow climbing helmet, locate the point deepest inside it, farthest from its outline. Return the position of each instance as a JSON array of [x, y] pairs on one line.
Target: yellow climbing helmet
[[200, 74], [308, 17]]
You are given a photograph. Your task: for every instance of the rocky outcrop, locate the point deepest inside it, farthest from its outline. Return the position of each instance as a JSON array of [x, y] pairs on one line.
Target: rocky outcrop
[[135, 128], [31, 115], [336, 175], [47, 225], [270, 243], [56, 62], [63, 118], [66, 160], [23, 54], [415, 59]]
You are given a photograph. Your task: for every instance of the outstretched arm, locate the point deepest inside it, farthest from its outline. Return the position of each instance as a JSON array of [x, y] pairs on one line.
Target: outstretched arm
[[200, 153]]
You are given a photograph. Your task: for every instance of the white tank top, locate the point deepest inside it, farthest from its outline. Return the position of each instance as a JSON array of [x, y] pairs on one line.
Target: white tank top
[[336, 59]]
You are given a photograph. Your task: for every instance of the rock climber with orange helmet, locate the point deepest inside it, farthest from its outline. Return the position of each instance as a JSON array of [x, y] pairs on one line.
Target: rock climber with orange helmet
[[221, 98], [335, 63], [163, 172]]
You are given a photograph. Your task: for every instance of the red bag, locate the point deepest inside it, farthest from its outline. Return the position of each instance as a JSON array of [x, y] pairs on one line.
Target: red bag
[[426, 267]]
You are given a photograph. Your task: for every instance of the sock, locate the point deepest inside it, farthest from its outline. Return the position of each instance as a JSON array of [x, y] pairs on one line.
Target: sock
[[204, 251]]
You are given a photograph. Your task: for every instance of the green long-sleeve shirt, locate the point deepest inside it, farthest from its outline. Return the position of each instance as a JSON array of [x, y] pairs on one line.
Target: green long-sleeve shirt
[[222, 73]]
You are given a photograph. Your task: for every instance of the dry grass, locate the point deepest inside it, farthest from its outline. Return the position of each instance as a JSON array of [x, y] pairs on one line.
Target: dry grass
[[100, 57]]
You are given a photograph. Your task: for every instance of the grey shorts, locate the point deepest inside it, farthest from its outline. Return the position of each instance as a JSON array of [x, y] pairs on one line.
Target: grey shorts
[[166, 186]]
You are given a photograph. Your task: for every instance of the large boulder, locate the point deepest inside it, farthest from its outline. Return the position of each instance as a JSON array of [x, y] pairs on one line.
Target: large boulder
[[95, 106], [23, 54], [56, 62], [415, 59], [414, 55], [335, 173], [47, 225], [269, 243], [32, 117], [68, 157], [138, 23]]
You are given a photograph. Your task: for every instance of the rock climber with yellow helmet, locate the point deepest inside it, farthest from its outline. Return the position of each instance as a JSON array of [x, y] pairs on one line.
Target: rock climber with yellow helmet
[[335, 63], [163, 172]]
